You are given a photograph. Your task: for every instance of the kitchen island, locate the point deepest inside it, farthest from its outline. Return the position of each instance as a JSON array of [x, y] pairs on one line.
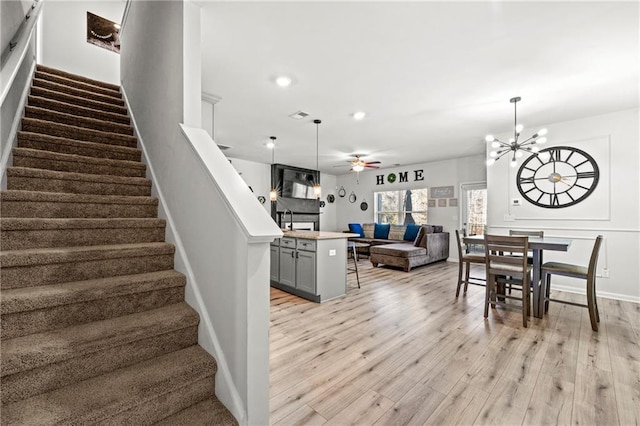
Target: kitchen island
[[310, 264]]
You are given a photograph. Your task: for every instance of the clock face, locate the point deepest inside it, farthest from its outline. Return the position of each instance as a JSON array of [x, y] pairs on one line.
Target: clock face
[[556, 177]]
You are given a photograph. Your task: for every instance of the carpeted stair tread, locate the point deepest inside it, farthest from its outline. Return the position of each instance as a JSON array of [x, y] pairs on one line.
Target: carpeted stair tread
[[64, 145], [55, 71], [56, 78], [77, 100], [31, 233], [39, 309], [77, 133], [77, 110], [69, 90], [36, 298], [37, 158], [29, 257], [131, 395], [38, 267], [51, 204], [28, 224], [23, 178], [28, 383], [74, 120], [208, 412], [39, 349]]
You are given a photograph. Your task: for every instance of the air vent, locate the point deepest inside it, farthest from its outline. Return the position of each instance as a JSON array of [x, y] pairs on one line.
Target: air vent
[[299, 115]]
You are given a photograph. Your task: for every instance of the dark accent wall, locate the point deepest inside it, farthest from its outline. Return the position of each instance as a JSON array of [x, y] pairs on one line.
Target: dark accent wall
[[303, 210]]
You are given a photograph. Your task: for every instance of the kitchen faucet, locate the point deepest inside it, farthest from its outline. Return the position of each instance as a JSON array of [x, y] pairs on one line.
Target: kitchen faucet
[[290, 216]]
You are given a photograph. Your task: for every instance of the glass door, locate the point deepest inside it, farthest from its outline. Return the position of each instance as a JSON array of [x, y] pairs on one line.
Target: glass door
[[474, 208]]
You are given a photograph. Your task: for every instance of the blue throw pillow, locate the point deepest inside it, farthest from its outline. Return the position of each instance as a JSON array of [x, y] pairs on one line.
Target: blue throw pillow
[[356, 228], [412, 232], [381, 231]]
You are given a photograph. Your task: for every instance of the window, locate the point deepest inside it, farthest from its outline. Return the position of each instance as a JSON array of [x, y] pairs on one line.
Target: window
[[401, 207]]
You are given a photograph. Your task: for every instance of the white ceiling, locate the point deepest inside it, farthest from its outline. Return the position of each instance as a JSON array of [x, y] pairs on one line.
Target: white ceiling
[[433, 77]]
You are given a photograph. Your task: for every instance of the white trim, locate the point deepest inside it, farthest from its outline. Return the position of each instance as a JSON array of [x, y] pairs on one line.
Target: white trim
[[125, 15], [17, 119], [210, 98], [602, 294], [238, 409]]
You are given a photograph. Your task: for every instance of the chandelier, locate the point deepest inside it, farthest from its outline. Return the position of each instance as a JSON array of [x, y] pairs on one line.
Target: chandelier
[[515, 147]]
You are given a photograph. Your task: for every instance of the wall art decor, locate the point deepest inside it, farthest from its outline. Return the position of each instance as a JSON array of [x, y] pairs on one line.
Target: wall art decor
[[442, 202], [431, 203], [331, 198], [342, 192], [103, 33], [441, 192], [453, 202]]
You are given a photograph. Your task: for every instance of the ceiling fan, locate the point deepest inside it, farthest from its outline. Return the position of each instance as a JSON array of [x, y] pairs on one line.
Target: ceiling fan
[[358, 164]]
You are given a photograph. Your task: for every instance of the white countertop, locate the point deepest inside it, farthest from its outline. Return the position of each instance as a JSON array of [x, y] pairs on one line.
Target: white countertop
[[318, 235]]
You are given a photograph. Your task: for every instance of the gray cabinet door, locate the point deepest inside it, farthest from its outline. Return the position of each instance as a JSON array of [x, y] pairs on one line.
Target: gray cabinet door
[[287, 266], [275, 263], [306, 272]]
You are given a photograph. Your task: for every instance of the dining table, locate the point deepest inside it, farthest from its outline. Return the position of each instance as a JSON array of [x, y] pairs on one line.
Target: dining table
[[537, 245]]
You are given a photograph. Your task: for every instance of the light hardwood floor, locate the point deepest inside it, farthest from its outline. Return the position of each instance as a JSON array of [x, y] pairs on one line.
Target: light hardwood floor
[[402, 350]]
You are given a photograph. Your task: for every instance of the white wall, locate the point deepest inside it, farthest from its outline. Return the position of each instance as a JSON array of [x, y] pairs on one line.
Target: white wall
[[438, 173], [64, 38], [12, 13], [257, 176], [612, 210], [328, 213]]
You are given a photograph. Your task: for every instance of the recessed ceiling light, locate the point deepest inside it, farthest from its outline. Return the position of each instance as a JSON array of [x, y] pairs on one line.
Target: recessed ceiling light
[[359, 115], [283, 81]]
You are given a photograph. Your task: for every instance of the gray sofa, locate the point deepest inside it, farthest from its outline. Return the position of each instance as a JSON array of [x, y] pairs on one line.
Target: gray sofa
[[431, 245]]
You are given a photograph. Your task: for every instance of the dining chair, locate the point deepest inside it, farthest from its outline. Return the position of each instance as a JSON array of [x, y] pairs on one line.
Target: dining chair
[[465, 261], [500, 263], [518, 232], [587, 273]]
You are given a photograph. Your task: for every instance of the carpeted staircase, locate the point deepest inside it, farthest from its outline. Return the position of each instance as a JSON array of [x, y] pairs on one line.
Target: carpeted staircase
[[95, 329]]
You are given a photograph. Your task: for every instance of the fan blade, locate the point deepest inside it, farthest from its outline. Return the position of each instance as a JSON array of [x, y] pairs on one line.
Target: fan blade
[[373, 162], [371, 167]]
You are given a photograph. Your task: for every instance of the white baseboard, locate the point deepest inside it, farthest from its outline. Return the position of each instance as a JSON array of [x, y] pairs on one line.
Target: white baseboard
[[226, 391]]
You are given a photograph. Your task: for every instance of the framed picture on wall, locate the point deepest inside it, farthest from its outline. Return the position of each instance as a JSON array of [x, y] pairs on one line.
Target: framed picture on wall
[[442, 202], [103, 33], [442, 192], [453, 202], [431, 203]]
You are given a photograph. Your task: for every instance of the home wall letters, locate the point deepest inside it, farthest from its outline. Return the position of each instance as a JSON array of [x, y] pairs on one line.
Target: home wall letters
[[401, 177]]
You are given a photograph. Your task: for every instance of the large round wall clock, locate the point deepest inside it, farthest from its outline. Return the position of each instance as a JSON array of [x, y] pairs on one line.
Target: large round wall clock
[[558, 176]]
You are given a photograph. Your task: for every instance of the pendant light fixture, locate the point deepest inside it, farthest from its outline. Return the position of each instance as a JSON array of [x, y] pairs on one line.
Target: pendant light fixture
[[514, 147], [317, 191], [273, 194]]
